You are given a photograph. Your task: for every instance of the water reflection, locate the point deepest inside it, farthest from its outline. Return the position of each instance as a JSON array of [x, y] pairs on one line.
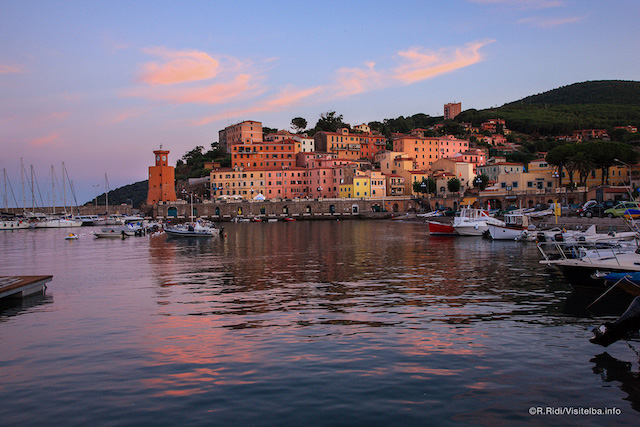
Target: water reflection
[[612, 370], [10, 307]]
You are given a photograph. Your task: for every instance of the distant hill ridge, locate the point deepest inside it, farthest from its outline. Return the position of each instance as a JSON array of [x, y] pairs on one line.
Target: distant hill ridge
[[614, 92]]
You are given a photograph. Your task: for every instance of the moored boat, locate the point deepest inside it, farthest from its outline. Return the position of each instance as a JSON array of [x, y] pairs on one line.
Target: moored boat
[[441, 229], [473, 222], [193, 230]]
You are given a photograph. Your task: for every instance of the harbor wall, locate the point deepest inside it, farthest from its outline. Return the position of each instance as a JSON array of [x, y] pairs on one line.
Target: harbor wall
[[300, 208]]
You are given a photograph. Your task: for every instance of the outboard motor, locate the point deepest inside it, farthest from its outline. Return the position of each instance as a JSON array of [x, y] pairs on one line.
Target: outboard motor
[[622, 328], [541, 238]]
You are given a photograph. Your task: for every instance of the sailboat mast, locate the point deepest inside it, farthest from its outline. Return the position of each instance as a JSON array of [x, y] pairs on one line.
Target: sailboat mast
[[5, 197], [24, 202], [53, 191], [33, 194], [64, 191], [106, 192]]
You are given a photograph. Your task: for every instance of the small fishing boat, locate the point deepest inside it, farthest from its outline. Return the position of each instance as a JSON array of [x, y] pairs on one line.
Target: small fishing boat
[[193, 230], [71, 236], [289, 219], [473, 222], [441, 229], [110, 233]]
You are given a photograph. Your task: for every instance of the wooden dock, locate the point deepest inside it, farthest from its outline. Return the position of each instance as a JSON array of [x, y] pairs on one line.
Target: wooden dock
[[22, 286]]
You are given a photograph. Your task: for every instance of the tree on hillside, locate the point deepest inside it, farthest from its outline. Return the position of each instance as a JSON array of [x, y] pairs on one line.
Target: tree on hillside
[[298, 124], [330, 122]]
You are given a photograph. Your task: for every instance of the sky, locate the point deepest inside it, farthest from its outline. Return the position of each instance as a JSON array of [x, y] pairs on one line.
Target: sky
[[99, 85]]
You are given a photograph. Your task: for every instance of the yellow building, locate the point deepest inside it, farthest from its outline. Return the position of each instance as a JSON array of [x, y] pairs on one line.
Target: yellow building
[[358, 186], [244, 182]]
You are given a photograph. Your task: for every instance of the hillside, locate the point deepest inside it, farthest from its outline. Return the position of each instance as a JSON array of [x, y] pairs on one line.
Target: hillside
[[613, 92], [135, 194], [597, 104]]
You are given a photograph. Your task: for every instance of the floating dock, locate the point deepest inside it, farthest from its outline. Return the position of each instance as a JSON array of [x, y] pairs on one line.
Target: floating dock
[[22, 286]]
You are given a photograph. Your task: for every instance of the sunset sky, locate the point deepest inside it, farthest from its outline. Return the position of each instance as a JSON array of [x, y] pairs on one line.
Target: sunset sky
[[101, 84]]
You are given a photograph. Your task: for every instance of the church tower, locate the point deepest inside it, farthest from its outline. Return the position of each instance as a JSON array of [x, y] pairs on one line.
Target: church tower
[[161, 179]]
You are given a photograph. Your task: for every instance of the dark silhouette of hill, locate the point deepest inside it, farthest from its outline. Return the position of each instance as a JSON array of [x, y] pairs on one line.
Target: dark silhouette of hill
[[588, 105]]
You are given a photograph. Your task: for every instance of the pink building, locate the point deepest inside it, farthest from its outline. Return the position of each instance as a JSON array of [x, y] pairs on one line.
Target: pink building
[[286, 183]]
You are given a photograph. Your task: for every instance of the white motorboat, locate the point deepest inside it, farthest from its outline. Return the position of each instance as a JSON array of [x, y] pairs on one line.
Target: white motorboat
[[515, 223], [473, 222], [583, 263], [50, 222], [13, 224], [193, 230]]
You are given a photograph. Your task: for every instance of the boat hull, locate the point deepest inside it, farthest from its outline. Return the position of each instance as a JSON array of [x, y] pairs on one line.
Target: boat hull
[[14, 225], [476, 229], [499, 232], [440, 229]]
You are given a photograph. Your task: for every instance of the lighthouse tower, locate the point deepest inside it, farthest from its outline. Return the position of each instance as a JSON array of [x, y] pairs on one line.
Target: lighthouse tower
[[161, 179]]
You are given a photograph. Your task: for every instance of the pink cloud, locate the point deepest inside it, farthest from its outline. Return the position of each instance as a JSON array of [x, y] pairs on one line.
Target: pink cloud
[[128, 114], [288, 97], [550, 22], [352, 81], [178, 67], [420, 65], [241, 87], [11, 69], [50, 139]]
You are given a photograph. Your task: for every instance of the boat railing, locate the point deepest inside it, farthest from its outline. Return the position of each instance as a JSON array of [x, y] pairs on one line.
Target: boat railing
[[588, 252]]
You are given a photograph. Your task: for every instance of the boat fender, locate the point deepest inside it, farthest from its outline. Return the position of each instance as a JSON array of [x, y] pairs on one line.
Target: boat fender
[[475, 226]]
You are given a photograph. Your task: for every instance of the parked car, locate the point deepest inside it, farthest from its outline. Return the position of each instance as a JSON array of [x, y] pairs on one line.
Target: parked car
[[581, 210], [626, 209], [598, 209]]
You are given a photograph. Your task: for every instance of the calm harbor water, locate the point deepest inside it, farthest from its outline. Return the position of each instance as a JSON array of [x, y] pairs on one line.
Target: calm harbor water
[[322, 323]]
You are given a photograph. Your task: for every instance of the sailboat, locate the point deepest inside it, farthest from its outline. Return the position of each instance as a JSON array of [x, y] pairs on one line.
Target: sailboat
[[10, 221], [57, 220]]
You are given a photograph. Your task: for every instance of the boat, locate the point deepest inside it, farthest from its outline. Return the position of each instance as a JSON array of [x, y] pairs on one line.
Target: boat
[[622, 328], [585, 264], [193, 230], [52, 222], [13, 223], [473, 222], [289, 219], [110, 233], [441, 229], [71, 236], [515, 223]]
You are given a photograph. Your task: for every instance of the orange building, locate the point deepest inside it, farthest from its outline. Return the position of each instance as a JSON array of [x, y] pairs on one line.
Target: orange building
[[244, 132], [161, 180], [452, 109], [268, 154]]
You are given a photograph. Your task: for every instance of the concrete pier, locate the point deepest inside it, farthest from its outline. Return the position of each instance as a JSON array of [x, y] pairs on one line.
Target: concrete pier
[[22, 286]]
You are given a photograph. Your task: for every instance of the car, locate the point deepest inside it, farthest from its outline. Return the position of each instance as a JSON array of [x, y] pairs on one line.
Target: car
[[625, 209], [581, 210], [598, 209]]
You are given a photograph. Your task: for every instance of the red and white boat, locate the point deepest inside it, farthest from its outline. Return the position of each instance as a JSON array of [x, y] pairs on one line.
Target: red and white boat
[[440, 229]]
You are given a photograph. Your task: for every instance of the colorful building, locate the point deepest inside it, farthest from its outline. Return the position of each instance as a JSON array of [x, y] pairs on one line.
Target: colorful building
[[452, 109], [162, 187], [248, 131]]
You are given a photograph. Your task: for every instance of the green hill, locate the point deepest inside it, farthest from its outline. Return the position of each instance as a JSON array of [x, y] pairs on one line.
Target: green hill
[[587, 105], [613, 92], [135, 194]]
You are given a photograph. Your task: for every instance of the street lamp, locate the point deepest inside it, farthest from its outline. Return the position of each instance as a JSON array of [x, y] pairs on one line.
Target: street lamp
[[557, 175]]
